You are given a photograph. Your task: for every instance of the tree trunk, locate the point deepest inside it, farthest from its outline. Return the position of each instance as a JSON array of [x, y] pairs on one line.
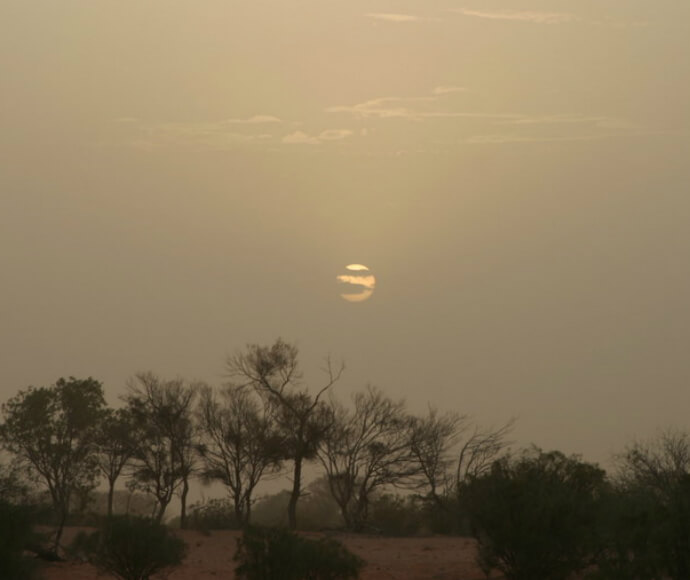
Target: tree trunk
[[183, 503], [160, 512], [61, 527], [294, 496], [111, 492]]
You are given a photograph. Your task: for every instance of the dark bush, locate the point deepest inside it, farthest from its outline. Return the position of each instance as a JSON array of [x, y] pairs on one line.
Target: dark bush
[[214, 514], [397, 515], [131, 548], [15, 536], [631, 528], [535, 516], [446, 518], [654, 478], [278, 554]]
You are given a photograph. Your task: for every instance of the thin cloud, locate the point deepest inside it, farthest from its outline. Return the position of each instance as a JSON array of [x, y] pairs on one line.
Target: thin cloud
[[520, 16], [397, 108], [334, 134], [255, 120], [609, 122], [397, 18], [513, 138], [302, 138], [381, 108]]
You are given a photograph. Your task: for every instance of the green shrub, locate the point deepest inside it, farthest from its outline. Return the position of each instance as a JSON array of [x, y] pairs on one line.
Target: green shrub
[[15, 535], [214, 514], [316, 509], [536, 516], [631, 528], [397, 515], [131, 548], [278, 554]]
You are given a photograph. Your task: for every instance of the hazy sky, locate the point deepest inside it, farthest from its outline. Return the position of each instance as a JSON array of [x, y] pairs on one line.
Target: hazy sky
[[179, 178]]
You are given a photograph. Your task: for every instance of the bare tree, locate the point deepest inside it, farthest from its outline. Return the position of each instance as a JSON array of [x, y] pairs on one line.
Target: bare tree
[[433, 440], [165, 451], [302, 418], [368, 447], [659, 463], [239, 443], [115, 446], [480, 449]]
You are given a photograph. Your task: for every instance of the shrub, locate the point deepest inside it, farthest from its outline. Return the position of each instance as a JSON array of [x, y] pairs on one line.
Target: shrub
[[214, 514], [15, 535], [316, 509], [131, 548], [535, 517], [278, 554], [397, 515], [655, 476], [631, 528]]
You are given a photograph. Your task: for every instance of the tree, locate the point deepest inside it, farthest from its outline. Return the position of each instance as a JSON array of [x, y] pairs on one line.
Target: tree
[[165, 451], [657, 472], [479, 450], [239, 444], [51, 430], [535, 515], [367, 448], [432, 440], [115, 444], [302, 419]]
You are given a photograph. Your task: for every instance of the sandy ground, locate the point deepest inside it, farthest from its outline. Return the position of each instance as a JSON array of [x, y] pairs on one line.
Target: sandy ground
[[210, 558]]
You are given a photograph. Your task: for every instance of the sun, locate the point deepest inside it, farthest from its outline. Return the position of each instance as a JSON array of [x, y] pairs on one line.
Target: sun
[[356, 283]]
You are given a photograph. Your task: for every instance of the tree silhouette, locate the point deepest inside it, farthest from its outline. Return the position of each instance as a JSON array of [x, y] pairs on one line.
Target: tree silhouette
[[303, 419], [51, 430], [164, 455], [239, 444]]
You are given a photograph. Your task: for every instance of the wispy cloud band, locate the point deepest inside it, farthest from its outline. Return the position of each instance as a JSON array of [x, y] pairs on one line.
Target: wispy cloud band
[[520, 16], [397, 18]]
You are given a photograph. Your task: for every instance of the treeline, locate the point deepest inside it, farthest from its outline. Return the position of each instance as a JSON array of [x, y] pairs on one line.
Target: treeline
[[536, 515], [264, 422]]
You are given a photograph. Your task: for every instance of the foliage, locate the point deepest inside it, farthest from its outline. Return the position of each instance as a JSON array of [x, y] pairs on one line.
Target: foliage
[[51, 431], [214, 514], [15, 536], [535, 515], [115, 446], [165, 451], [278, 554], [650, 533], [302, 419], [13, 485], [397, 515], [239, 444], [629, 529], [316, 510], [131, 548]]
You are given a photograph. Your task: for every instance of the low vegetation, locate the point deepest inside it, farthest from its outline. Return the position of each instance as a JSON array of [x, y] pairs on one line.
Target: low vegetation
[[536, 515], [16, 536], [131, 548], [278, 554]]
